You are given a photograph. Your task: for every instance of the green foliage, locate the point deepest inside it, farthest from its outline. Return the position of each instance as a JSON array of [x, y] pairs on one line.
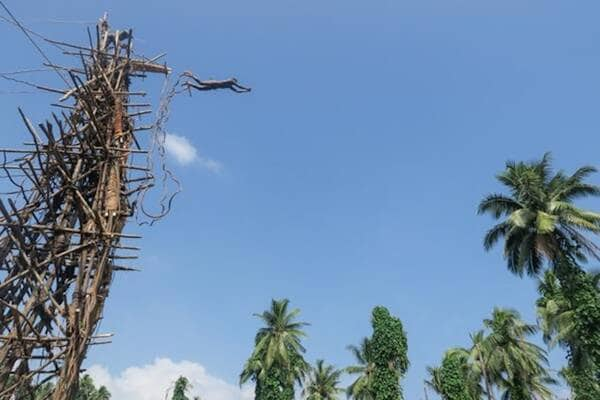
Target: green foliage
[[517, 366], [456, 378], [182, 385], [480, 356], [500, 359], [388, 347], [435, 379], [540, 223], [528, 387], [274, 384], [583, 382], [322, 382], [569, 311], [453, 377], [87, 391], [539, 220], [361, 389], [43, 392], [277, 362], [381, 360]]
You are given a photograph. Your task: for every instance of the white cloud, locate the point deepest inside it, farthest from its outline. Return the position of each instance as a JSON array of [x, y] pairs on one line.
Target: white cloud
[[185, 153], [151, 382], [181, 148], [211, 165]]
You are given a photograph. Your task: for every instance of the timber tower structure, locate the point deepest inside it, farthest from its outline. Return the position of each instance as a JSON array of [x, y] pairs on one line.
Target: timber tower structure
[[62, 229]]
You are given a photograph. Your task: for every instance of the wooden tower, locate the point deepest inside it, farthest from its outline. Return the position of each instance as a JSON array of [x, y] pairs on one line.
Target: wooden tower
[[62, 231]]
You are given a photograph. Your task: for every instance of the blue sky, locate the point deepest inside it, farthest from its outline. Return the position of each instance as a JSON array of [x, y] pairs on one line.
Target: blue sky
[[349, 177]]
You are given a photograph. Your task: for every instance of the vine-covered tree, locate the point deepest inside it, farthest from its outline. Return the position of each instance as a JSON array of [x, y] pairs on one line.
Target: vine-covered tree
[[539, 223], [454, 376], [322, 382], [558, 321], [388, 347], [277, 361], [182, 386]]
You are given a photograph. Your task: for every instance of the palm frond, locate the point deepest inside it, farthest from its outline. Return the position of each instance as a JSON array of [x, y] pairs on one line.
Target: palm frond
[[492, 236], [498, 205]]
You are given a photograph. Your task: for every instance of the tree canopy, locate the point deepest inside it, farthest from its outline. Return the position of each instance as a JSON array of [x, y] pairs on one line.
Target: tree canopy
[[277, 361]]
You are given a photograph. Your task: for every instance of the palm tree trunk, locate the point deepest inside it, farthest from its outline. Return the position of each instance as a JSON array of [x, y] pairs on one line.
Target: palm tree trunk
[[488, 384], [566, 273], [488, 387]]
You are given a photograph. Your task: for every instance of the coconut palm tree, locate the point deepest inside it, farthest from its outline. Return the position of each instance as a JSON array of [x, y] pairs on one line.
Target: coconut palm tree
[[539, 223], [277, 359], [555, 314], [322, 382], [480, 353], [533, 387], [280, 339], [435, 380], [517, 365], [361, 389], [538, 218]]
